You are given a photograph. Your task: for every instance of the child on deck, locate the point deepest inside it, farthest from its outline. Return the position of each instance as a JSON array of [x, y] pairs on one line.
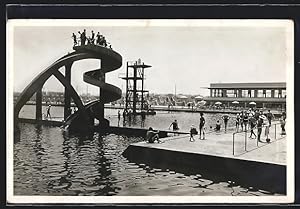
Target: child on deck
[[193, 132]]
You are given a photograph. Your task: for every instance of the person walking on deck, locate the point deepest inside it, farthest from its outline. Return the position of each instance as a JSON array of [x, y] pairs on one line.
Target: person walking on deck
[[267, 129], [256, 114], [242, 120], [282, 125], [259, 128], [225, 119], [119, 115], [245, 120], [270, 116], [48, 112], [201, 126], [237, 121], [252, 122]]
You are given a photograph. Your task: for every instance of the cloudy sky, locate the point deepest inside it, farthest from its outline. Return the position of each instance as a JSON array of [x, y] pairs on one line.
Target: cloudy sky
[[188, 54]]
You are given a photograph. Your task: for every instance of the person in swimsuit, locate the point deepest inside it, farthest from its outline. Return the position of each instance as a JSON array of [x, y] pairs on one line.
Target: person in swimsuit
[[270, 116], [259, 128], [193, 131], [152, 136], [48, 112], [201, 126], [252, 122], [237, 121], [225, 119], [242, 120], [174, 124], [245, 120], [74, 39]]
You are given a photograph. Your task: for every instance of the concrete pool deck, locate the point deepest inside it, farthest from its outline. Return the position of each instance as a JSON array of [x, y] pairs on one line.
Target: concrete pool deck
[[221, 145], [259, 166]]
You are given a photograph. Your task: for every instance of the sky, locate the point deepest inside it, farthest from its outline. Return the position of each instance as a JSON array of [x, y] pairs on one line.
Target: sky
[[186, 55]]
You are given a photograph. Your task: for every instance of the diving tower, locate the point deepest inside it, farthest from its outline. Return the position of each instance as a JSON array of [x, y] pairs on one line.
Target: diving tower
[[135, 92]]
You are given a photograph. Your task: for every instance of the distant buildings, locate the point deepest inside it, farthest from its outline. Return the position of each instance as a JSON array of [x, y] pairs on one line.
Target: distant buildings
[[56, 97], [265, 95], [151, 99]]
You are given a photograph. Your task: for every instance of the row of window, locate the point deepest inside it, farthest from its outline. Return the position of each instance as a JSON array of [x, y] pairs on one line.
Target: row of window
[[249, 93]]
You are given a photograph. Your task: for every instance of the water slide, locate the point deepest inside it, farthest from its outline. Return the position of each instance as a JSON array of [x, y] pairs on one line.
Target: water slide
[[110, 61]]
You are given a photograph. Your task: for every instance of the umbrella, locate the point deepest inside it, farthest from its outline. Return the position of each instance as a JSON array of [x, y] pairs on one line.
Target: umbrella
[[252, 103], [235, 102], [182, 97], [218, 103], [201, 103], [198, 97]]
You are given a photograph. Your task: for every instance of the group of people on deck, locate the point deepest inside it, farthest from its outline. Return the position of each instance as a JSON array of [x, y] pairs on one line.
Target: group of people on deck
[[247, 120], [92, 39], [152, 135], [256, 119]]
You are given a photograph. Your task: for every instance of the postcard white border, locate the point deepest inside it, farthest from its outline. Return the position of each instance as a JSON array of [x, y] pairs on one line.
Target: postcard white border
[[289, 198]]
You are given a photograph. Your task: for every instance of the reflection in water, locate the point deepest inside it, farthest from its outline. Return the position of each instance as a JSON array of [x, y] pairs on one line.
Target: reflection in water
[[48, 161], [37, 148], [133, 121], [104, 170], [17, 133], [142, 123]]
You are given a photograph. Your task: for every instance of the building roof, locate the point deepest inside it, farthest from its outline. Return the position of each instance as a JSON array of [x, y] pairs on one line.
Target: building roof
[[266, 85], [245, 99]]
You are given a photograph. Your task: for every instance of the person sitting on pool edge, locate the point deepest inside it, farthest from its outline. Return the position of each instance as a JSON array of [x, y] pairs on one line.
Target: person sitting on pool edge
[[152, 136]]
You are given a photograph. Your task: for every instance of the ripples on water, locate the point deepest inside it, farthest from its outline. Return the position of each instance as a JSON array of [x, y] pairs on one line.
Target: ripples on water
[[47, 162]]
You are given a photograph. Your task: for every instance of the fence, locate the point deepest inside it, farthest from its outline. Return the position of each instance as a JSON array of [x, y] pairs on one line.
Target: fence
[[242, 143]]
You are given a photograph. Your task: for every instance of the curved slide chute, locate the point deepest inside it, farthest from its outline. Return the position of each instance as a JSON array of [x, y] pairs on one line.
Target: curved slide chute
[[110, 61]]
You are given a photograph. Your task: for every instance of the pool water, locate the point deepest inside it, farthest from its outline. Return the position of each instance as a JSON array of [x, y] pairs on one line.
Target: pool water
[[49, 162]]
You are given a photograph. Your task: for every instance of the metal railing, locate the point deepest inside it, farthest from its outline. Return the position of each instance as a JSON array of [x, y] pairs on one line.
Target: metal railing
[[273, 134]]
